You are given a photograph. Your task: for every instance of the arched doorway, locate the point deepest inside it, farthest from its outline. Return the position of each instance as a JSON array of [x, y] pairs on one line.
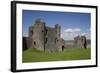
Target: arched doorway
[[63, 48]]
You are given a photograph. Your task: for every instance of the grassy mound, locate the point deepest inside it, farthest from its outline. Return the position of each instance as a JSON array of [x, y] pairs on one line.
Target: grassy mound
[[32, 55]]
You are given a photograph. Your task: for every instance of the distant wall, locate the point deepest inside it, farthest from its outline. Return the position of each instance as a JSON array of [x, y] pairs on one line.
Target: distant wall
[[25, 46], [70, 44]]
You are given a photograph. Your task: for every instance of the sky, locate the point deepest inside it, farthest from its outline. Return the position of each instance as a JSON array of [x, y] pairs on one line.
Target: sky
[[72, 23]]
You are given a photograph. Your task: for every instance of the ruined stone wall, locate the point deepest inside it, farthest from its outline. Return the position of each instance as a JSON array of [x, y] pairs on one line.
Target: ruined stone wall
[[38, 35], [80, 41], [53, 41], [50, 37], [60, 45], [30, 35], [36, 39]]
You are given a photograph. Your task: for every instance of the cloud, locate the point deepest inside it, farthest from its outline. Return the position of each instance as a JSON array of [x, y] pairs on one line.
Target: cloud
[[69, 34], [77, 30], [69, 30], [83, 33]]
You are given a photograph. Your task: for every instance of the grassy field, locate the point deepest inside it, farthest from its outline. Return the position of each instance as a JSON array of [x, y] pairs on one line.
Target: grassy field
[[32, 55]]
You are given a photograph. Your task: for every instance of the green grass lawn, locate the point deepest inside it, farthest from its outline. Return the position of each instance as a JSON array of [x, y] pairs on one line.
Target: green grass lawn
[[32, 55]]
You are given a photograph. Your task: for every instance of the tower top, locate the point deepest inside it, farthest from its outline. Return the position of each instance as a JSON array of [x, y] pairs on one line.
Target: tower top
[[38, 21]]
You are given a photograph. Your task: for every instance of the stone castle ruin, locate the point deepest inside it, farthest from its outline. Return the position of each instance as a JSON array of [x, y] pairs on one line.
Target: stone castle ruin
[[44, 38], [80, 42]]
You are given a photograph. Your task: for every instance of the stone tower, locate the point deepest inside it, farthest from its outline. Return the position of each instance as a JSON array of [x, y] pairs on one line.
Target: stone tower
[[58, 28], [37, 37], [59, 42]]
